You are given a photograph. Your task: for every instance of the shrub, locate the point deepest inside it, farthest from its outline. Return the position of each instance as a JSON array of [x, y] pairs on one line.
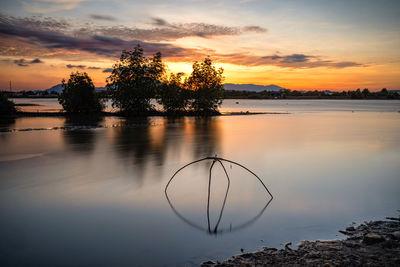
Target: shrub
[[7, 107], [79, 96]]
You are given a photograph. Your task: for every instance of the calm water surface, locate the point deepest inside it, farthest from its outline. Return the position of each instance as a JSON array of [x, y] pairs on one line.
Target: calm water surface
[[92, 193]]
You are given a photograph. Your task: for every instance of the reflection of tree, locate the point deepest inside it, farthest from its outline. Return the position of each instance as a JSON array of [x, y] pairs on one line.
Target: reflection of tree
[[144, 140], [80, 136], [206, 137], [214, 230], [6, 125], [133, 140]]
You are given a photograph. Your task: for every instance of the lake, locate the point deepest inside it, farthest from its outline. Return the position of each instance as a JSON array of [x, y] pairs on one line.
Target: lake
[[93, 193]]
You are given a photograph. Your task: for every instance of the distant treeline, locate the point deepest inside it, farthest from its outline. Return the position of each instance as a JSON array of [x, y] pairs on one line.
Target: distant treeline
[[233, 94], [293, 94], [30, 94]]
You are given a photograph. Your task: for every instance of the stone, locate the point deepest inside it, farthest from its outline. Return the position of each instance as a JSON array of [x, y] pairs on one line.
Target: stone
[[208, 263], [396, 235], [370, 239]]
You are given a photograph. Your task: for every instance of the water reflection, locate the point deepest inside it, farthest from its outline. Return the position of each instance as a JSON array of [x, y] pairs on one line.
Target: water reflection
[[148, 141], [206, 137], [82, 138], [134, 145], [209, 229], [6, 124]]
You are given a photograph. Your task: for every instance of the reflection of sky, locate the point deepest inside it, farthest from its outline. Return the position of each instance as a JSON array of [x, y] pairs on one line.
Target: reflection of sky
[[97, 196]]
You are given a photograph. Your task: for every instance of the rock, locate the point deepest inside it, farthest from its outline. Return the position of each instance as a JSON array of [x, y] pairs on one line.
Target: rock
[[393, 218], [208, 263], [370, 239], [313, 254], [246, 255], [376, 243], [396, 235], [345, 232]]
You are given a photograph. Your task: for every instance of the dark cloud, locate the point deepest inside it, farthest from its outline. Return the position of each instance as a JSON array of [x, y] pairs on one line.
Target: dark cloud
[[293, 58], [159, 22], [256, 29], [102, 17], [21, 62], [94, 68], [36, 22], [107, 70], [36, 60], [287, 61], [69, 66], [24, 63], [103, 45]]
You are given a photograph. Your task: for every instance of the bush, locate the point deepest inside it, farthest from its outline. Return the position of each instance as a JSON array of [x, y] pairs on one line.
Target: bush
[[134, 81], [7, 107], [79, 96], [206, 84]]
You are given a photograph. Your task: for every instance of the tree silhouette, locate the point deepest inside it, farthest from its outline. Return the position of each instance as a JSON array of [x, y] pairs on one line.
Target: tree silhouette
[[134, 80], [172, 95], [79, 96], [206, 83], [7, 107]]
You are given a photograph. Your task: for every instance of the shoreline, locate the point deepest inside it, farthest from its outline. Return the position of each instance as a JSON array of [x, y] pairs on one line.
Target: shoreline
[[20, 114], [373, 243]]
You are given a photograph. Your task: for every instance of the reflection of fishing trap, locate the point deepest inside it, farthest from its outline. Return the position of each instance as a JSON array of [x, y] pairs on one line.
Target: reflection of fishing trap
[[209, 229]]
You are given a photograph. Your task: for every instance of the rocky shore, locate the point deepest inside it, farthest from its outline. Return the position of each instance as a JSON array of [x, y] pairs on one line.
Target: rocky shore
[[374, 243]]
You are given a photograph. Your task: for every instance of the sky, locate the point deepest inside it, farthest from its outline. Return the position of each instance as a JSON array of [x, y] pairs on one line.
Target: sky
[[296, 44]]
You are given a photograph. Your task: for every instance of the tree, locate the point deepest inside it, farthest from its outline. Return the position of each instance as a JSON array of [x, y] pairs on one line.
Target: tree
[[79, 96], [172, 95], [7, 107], [206, 84], [384, 92], [365, 93], [134, 80]]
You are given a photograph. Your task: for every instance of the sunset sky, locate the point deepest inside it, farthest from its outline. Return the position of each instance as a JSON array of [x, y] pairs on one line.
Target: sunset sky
[[296, 44]]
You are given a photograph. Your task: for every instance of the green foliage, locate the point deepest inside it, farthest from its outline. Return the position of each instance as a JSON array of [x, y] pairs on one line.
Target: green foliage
[[172, 95], [206, 84], [79, 96], [6, 106], [134, 80]]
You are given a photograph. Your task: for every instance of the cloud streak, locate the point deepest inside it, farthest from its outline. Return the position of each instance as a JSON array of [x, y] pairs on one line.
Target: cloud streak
[[102, 17], [24, 63], [55, 35], [70, 66], [296, 61]]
